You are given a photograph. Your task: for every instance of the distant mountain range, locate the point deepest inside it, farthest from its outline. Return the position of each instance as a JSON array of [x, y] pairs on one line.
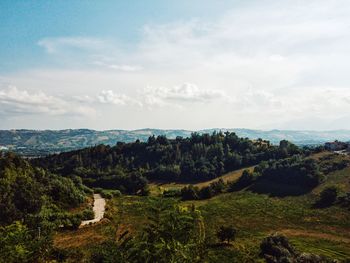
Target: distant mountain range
[[40, 142]]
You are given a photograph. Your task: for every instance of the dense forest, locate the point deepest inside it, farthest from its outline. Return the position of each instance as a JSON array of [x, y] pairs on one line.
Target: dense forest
[[197, 158]]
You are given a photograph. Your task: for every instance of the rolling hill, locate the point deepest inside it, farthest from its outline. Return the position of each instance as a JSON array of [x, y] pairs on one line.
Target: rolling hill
[[42, 142]]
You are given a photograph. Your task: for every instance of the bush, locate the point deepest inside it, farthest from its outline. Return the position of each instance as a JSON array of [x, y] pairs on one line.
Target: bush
[[98, 190], [106, 194], [206, 193], [172, 193], [328, 196], [116, 193], [69, 221], [87, 214], [189, 193], [74, 222]]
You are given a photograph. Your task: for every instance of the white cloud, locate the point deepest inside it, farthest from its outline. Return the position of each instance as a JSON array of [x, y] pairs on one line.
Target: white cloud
[[109, 97], [125, 67], [14, 101], [258, 100], [56, 44], [186, 92]]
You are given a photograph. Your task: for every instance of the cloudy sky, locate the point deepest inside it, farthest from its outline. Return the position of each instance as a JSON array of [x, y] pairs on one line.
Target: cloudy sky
[[185, 64]]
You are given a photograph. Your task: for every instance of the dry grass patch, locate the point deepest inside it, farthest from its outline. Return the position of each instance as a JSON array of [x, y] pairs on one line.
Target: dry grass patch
[[82, 237]]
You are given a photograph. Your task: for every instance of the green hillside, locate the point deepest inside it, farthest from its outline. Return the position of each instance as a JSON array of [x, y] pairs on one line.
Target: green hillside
[[42, 142]]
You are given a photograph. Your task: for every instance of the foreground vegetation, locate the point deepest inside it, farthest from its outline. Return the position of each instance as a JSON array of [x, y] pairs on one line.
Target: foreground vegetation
[[33, 204]]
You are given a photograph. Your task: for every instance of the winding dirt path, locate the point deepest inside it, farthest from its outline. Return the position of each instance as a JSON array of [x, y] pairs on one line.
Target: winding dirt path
[[99, 210]]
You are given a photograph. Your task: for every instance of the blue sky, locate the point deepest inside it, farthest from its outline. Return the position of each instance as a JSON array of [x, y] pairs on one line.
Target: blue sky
[[185, 64], [23, 23]]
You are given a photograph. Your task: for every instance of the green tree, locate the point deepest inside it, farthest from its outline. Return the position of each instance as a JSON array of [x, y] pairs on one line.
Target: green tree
[[173, 234]]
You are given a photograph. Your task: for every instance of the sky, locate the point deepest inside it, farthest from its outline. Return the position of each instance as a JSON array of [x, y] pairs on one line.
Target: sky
[[185, 64]]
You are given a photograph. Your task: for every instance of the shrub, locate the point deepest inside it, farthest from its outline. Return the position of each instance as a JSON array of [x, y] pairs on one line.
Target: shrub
[[226, 233], [328, 196], [206, 193], [74, 222], [87, 214], [98, 190], [106, 194], [189, 193], [116, 193], [172, 193]]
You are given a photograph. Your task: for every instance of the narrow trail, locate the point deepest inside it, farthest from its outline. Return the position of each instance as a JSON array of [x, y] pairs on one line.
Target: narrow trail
[[99, 210]]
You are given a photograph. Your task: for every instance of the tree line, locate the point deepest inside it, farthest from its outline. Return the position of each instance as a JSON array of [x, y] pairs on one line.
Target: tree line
[[290, 176], [197, 158]]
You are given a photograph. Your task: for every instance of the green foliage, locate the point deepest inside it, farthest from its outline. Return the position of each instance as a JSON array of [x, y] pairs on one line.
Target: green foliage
[[109, 194], [290, 176], [63, 191], [171, 234], [14, 243], [133, 183], [189, 193], [19, 244], [112, 251], [37, 199], [24, 189], [87, 214]]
